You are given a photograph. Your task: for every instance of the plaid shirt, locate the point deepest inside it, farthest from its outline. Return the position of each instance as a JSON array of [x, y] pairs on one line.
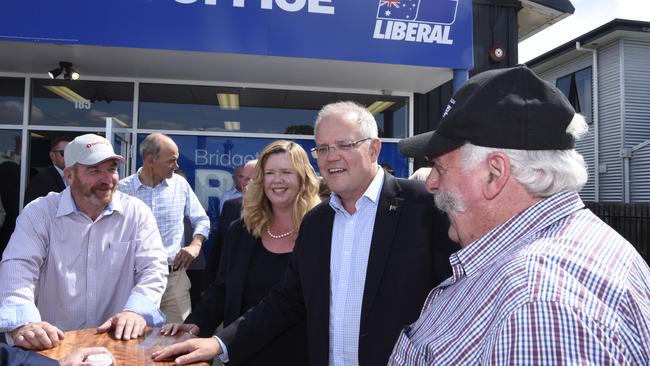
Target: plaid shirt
[[553, 285], [170, 201]]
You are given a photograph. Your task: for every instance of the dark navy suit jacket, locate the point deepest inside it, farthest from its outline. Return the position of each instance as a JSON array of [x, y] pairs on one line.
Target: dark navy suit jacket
[[231, 211], [13, 356], [409, 255], [49, 180], [222, 301]]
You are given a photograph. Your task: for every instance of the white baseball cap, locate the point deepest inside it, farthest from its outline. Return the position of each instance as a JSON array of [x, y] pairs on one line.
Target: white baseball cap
[[89, 149]]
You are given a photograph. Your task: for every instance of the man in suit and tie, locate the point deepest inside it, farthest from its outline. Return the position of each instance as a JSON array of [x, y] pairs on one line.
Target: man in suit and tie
[[50, 179], [363, 263]]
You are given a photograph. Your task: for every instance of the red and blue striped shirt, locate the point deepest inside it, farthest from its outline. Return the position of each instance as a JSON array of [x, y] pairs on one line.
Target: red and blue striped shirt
[[552, 285]]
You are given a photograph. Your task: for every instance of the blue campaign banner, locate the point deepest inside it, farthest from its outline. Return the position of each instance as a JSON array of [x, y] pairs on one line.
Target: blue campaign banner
[[435, 33], [209, 161]]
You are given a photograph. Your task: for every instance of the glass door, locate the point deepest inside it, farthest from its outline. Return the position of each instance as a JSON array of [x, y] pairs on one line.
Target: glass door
[[119, 135]]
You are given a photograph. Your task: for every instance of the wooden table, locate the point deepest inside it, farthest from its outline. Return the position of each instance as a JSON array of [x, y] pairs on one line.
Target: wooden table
[[132, 352]]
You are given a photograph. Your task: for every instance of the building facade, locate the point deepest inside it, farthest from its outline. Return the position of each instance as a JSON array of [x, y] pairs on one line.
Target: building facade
[[605, 73], [225, 78]]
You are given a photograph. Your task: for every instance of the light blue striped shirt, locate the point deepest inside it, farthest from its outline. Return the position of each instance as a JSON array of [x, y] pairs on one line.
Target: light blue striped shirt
[[64, 268], [170, 201], [351, 240]]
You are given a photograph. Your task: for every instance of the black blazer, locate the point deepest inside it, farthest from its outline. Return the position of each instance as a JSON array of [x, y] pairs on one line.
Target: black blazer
[[222, 301], [9, 193], [43, 183], [13, 356], [230, 212], [408, 257]]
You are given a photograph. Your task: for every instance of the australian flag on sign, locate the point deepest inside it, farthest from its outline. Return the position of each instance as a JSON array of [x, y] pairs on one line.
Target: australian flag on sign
[[426, 11]]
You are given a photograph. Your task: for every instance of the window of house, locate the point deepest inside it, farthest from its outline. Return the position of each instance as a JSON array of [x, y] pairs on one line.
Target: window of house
[[577, 88]]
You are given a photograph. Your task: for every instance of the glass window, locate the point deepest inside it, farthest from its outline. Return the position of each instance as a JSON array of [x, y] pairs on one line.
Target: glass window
[[12, 96], [209, 108], [80, 103], [39, 143], [577, 88], [10, 144]]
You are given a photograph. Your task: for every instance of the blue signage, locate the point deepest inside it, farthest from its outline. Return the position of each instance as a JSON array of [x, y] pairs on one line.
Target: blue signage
[[209, 161], [434, 33]]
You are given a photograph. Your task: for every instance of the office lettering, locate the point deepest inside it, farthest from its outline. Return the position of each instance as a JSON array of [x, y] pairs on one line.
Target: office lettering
[[313, 6], [207, 2]]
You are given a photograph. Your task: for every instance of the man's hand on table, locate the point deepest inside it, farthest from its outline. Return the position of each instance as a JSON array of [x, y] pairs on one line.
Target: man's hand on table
[[173, 328], [77, 357], [127, 325], [193, 350], [37, 336]]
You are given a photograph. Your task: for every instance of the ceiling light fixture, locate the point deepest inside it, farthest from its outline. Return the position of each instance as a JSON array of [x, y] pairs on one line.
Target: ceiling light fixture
[[65, 93], [69, 72], [54, 73], [228, 101], [231, 125], [379, 106]]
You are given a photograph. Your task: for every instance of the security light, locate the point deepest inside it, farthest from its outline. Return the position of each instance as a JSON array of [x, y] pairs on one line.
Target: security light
[[69, 73]]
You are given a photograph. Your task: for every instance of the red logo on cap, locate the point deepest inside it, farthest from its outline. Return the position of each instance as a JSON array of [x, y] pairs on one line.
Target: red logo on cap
[[96, 143]]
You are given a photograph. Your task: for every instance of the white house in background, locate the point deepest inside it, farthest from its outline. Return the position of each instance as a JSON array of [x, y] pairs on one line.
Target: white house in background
[[614, 61]]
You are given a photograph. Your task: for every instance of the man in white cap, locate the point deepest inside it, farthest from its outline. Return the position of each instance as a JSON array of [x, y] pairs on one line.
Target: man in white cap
[[86, 257]]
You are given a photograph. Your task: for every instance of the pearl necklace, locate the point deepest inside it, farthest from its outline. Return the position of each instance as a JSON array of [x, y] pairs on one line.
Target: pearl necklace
[[279, 236]]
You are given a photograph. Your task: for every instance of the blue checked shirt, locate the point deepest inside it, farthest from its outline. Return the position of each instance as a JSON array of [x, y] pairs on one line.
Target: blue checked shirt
[[170, 201], [553, 285], [351, 239], [64, 268]]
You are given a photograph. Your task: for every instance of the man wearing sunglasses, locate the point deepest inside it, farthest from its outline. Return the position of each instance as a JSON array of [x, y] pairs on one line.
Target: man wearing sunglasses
[[363, 263], [51, 178]]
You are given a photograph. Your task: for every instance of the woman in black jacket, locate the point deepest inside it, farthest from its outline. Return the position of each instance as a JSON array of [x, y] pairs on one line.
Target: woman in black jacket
[[257, 249]]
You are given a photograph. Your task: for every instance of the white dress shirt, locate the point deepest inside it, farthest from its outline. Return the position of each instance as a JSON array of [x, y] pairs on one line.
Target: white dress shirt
[[351, 241]]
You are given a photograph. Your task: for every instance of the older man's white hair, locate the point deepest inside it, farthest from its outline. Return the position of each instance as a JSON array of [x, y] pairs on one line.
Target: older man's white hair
[[543, 172]]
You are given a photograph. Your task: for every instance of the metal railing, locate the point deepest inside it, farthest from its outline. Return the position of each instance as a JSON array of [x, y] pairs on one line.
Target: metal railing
[[631, 220]]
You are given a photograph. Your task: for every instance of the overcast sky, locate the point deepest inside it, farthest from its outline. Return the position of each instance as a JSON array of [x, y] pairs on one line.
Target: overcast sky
[[589, 14]]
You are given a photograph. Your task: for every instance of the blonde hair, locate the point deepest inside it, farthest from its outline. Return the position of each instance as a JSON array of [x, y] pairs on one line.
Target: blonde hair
[[257, 212]]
